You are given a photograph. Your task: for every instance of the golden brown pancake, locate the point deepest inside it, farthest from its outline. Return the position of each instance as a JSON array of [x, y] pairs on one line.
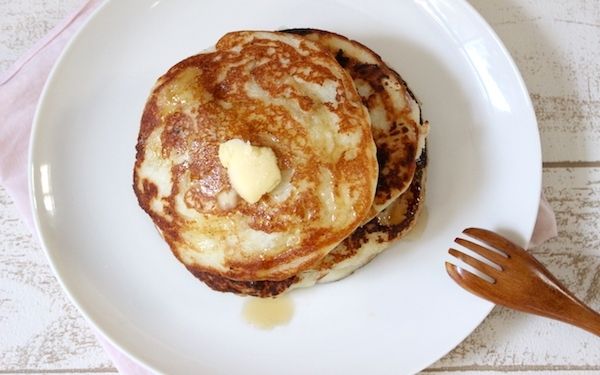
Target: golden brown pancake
[[273, 90]]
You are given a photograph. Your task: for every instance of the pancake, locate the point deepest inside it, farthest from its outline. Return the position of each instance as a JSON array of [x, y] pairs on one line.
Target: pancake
[[355, 251], [273, 90], [397, 126], [400, 199]]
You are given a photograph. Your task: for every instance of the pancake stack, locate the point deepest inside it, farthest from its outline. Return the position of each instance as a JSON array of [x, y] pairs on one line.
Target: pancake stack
[[349, 143]]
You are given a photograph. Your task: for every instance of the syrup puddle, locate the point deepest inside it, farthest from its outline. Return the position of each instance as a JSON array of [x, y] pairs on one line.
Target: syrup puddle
[[268, 313]]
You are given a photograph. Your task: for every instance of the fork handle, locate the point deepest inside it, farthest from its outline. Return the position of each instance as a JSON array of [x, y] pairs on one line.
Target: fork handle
[[568, 310], [567, 307], [580, 315], [560, 304]]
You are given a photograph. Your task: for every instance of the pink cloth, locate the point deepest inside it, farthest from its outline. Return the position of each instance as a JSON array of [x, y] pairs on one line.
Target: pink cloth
[[20, 90], [545, 225]]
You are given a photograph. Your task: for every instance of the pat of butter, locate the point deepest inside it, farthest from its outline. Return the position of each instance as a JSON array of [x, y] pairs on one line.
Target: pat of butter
[[252, 170]]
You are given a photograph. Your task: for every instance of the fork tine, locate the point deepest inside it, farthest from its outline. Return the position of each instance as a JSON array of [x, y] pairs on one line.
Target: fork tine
[[484, 252], [494, 240], [476, 263], [469, 281]]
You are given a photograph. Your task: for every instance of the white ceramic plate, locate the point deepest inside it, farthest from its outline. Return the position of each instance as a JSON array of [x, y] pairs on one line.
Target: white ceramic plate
[[398, 314]]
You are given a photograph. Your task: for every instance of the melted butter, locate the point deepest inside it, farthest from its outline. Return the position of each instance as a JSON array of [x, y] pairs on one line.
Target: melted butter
[[252, 170], [179, 94], [268, 313], [394, 214], [417, 231]]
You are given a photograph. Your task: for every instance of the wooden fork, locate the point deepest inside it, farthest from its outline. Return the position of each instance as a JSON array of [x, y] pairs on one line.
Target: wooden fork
[[519, 281]]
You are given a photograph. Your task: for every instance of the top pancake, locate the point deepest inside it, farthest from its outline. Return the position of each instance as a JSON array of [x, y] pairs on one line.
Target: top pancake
[[274, 90], [398, 129]]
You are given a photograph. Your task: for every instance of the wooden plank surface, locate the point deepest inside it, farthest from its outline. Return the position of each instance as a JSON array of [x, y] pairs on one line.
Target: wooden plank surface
[[509, 340], [556, 45]]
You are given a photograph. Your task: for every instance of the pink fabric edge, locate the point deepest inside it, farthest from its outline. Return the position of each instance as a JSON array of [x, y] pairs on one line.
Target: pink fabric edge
[[545, 226], [122, 362], [39, 45]]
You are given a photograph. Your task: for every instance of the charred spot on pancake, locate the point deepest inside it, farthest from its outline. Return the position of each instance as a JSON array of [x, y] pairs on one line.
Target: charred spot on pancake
[[409, 159], [423, 159], [341, 58], [371, 73], [395, 129], [298, 31], [383, 182], [175, 136]]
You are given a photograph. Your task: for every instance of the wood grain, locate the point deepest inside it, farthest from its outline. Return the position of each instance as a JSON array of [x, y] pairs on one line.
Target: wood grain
[[511, 340], [520, 281], [555, 44]]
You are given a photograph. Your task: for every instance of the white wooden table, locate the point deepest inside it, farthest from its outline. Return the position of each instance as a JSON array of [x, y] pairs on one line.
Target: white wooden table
[[555, 43]]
